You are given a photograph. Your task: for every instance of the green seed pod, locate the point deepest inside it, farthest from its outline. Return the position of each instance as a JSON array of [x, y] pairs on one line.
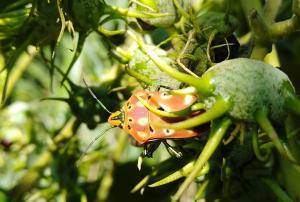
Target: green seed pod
[[217, 23], [158, 6], [88, 13], [141, 67], [250, 85]]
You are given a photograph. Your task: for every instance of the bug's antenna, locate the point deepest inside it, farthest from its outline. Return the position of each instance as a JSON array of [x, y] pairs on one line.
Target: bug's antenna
[[95, 97], [101, 135]]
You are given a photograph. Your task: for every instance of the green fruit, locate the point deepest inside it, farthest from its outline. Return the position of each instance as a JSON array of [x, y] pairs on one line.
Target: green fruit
[[250, 85]]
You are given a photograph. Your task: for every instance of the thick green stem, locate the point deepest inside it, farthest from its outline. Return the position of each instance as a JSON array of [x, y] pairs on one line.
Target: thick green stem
[[285, 27], [186, 170], [276, 189], [265, 124], [292, 102], [203, 85], [271, 8], [256, 149], [218, 109], [135, 14], [215, 138]]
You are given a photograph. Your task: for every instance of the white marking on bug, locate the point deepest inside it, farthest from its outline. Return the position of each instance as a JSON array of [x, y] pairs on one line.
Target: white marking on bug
[[139, 104], [142, 121], [165, 96], [141, 134], [140, 94], [188, 99], [168, 132]]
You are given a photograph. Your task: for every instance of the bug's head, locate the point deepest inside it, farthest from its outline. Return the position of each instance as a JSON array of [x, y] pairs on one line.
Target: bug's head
[[116, 119]]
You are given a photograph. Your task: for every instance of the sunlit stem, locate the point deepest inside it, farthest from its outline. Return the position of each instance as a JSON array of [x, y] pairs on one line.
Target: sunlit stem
[[265, 124], [215, 138], [198, 106], [135, 14], [280, 194], [156, 111], [292, 103], [203, 85], [186, 170], [218, 109], [184, 91]]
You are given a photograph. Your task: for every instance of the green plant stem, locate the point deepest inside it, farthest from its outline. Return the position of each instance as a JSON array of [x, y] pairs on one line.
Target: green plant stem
[[33, 174], [256, 149], [215, 138], [219, 108], [292, 102], [14, 61], [290, 174], [107, 180], [247, 6], [186, 170], [283, 28], [270, 10], [265, 124], [203, 85], [277, 191], [296, 8], [134, 14]]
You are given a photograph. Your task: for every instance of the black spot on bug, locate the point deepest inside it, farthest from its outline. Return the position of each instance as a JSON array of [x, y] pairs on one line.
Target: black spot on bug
[[130, 120], [129, 127], [161, 109], [151, 129], [149, 97], [167, 131]]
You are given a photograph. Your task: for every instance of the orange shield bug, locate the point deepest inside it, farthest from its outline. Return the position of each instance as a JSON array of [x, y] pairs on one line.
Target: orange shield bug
[[138, 121]]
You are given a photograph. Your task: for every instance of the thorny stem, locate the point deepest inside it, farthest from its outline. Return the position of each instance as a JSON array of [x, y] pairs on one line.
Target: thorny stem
[[219, 108], [215, 138], [203, 85]]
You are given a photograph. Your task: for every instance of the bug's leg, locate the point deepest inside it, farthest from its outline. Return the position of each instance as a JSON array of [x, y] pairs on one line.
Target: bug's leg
[[218, 130], [149, 149], [173, 151], [202, 84], [219, 108], [292, 102], [262, 119]]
